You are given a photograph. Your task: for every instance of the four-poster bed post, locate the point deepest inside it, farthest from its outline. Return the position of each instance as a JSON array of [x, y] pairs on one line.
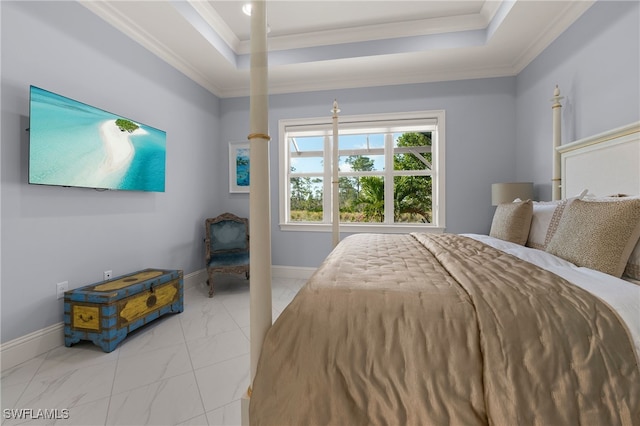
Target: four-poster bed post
[[335, 188], [557, 138], [259, 194]]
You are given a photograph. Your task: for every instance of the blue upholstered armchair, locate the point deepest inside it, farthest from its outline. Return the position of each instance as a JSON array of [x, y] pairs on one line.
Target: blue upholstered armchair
[[227, 246]]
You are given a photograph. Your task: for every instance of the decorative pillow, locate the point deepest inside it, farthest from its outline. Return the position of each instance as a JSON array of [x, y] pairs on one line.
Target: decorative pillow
[[632, 270], [545, 220], [598, 234], [511, 221]]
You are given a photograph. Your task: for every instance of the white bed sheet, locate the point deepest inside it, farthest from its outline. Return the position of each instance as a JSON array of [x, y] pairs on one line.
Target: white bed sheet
[[621, 295]]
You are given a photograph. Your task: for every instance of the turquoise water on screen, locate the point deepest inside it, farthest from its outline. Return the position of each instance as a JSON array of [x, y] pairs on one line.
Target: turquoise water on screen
[[66, 148]]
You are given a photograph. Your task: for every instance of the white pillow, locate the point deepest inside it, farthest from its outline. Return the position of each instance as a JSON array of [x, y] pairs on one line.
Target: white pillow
[[545, 219], [544, 222]]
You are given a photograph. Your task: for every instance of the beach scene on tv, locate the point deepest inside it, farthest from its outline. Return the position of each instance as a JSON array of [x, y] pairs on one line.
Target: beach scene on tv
[[74, 144]]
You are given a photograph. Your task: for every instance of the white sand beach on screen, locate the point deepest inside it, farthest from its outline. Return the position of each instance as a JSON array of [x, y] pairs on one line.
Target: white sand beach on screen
[[118, 146]]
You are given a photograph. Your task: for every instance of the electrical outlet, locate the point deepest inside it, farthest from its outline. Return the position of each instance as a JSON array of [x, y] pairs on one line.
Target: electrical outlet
[[61, 288], [107, 275]]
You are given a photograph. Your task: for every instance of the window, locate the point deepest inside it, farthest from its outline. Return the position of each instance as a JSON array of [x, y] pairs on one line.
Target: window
[[390, 178]]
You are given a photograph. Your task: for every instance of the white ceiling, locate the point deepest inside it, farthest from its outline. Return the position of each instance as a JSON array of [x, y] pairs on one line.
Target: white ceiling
[[324, 44]]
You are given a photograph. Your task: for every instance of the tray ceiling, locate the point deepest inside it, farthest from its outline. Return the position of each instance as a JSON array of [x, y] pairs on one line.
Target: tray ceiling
[[320, 44]]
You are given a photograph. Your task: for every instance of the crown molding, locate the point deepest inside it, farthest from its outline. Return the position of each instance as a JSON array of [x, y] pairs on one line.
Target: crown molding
[[417, 27], [213, 19], [371, 33], [489, 10]]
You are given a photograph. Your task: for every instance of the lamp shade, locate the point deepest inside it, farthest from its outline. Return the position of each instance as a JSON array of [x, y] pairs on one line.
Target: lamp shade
[[507, 192]]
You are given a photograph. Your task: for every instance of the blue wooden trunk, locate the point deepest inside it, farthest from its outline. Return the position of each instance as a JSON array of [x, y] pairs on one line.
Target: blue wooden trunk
[[107, 311]]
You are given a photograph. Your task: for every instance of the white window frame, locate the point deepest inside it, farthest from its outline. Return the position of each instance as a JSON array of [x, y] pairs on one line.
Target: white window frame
[[392, 120]]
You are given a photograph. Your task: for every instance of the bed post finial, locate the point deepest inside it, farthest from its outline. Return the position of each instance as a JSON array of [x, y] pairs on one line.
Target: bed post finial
[[557, 140]]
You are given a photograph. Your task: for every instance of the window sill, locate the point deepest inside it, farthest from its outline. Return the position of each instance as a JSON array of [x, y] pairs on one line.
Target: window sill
[[361, 228]]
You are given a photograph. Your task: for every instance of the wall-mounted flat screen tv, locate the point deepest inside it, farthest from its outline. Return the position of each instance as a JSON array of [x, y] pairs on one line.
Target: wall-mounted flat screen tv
[[74, 144]]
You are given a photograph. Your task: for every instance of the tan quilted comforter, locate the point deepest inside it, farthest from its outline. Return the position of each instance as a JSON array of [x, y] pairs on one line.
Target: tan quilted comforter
[[441, 329]]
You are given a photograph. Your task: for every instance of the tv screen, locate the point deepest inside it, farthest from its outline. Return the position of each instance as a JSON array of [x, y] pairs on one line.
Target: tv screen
[[74, 144]]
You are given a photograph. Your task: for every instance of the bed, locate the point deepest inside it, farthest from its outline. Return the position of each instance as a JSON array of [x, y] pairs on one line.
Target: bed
[[540, 326]]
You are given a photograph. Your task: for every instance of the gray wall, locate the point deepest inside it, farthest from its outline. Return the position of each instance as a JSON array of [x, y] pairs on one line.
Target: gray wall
[[53, 234], [480, 148], [596, 63]]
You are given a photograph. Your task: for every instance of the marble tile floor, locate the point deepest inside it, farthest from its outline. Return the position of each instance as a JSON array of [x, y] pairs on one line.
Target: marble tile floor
[[190, 368]]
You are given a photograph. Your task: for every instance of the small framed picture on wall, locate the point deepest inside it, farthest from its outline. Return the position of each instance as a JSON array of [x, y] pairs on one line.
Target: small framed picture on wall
[[238, 166]]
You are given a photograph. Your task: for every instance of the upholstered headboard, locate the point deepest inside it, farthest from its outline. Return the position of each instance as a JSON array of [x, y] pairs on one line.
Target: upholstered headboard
[[605, 164]]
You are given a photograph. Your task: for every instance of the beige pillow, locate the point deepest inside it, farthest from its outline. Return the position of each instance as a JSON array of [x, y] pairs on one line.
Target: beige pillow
[[511, 222], [598, 235], [632, 270]]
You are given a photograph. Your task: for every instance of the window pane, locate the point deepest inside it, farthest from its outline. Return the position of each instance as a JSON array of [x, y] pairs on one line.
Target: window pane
[[359, 163], [362, 199], [306, 154], [411, 139], [412, 199], [306, 199], [361, 141], [412, 151], [306, 164], [361, 152], [306, 144]]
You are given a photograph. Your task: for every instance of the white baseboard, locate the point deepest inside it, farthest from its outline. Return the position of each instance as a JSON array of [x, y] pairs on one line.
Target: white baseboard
[[296, 272], [33, 344], [23, 348], [194, 278]]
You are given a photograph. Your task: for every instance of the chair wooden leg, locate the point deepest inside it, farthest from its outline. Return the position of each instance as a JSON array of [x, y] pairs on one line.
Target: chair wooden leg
[[210, 284]]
